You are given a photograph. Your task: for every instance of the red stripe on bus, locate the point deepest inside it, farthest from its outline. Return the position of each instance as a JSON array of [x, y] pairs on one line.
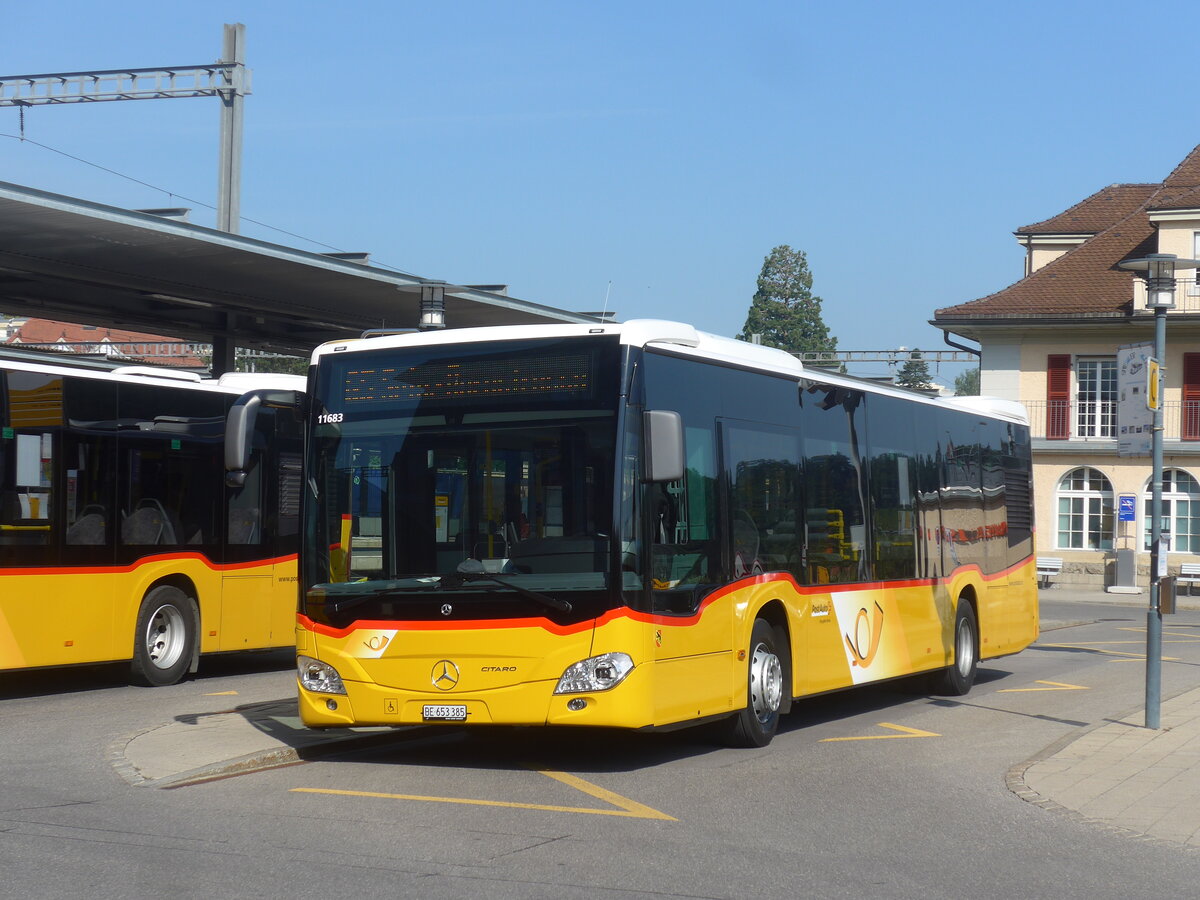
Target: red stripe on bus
[[648, 618], [145, 560]]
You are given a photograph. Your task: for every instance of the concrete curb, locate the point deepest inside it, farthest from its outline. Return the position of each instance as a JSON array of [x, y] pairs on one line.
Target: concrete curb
[[1017, 784], [233, 724]]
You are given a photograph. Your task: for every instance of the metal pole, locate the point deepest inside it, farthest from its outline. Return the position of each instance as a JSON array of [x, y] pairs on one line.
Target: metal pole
[[1154, 614], [229, 168]]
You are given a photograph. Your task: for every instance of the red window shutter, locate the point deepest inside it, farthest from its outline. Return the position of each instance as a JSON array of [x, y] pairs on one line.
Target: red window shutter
[[1058, 396], [1189, 425]]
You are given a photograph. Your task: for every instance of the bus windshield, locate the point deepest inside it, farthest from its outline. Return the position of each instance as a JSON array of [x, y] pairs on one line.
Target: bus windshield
[[485, 470]]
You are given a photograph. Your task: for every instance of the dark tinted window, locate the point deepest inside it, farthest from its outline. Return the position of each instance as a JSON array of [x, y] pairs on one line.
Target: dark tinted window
[[892, 465], [834, 485], [763, 471], [169, 450], [90, 466]]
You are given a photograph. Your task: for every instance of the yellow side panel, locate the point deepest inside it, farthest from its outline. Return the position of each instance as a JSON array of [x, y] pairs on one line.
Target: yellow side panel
[[246, 607], [1011, 621], [694, 664], [56, 620], [860, 635], [258, 606], [283, 603]]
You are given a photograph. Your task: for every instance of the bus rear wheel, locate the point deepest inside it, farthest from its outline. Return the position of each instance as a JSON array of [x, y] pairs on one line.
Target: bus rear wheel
[[956, 679], [756, 725], [164, 639]]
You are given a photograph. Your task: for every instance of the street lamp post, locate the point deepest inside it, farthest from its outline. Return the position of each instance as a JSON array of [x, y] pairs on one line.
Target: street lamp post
[[1160, 296]]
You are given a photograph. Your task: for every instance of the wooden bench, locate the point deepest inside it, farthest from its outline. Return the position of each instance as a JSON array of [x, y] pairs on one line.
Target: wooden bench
[[1189, 574], [1049, 566]]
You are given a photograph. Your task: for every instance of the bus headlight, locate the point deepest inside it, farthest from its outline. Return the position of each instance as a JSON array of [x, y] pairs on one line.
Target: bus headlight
[[319, 677], [597, 673]]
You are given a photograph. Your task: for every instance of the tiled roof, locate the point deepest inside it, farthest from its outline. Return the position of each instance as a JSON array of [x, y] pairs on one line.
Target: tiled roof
[[1177, 198], [47, 331], [1101, 210], [1187, 173], [1086, 281], [51, 331]]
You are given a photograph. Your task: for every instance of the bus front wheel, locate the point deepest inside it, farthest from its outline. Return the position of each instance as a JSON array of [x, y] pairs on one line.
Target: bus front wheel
[[165, 637], [956, 679], [755, 725]]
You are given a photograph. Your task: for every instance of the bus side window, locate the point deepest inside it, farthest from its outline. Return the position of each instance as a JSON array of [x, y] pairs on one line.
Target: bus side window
[[834, 488], [683, 546], [763, 470], [245, 506], [33, 408]]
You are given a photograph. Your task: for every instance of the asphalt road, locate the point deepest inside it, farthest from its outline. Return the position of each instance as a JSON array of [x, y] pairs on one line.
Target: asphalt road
[[876, 793]]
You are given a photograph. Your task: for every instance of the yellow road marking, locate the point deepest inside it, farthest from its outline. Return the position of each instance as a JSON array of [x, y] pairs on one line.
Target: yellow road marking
[[632, 807], [907, 733], [1095, 649], [625, 806], [1054, 686], [1191, 638], [222, 694]]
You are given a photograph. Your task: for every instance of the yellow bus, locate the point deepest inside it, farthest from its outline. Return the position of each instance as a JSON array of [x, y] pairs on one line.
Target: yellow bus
[[643, 526], [118, 538]]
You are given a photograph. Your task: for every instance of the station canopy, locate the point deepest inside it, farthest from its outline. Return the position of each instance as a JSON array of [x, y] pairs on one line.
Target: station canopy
[[76, 261]]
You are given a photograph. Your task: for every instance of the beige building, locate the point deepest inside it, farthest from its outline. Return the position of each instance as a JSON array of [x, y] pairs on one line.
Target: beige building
[[1054, 340]]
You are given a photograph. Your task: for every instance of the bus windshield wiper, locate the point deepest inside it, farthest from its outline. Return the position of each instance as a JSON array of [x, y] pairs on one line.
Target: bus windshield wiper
[[460, 578], [428, 583]]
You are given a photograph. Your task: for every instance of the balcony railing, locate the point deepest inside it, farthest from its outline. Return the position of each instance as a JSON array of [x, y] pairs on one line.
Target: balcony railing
[[1187, 295], [1062, 420]]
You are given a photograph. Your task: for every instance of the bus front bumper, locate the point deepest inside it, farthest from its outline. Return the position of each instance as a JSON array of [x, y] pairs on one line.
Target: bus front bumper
[[628, 705]]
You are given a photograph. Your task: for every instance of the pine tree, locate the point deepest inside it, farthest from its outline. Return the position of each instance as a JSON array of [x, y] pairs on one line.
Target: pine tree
[[914, 373], [784, 309]]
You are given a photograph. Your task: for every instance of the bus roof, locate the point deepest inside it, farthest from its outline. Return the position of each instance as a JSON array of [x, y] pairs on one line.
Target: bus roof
[[55, 363]]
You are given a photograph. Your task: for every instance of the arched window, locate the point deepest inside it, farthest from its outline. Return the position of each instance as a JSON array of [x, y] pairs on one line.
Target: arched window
[[1180, 512], [1085, 510]]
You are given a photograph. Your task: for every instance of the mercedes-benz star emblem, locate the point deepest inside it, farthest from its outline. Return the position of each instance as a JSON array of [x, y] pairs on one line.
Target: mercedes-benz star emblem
[[445, 675], [447, 609]]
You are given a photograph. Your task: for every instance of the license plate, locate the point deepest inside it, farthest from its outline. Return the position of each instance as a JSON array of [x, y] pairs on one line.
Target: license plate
[[445, 713]]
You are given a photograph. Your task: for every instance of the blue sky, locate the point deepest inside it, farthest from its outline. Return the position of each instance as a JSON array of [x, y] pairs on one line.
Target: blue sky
[[660, 147]]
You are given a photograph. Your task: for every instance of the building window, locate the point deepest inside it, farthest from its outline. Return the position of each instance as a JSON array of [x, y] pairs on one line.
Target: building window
[[1096, 398], [1085, 510], [1189, 414], [1058, 396], [1180, 512]]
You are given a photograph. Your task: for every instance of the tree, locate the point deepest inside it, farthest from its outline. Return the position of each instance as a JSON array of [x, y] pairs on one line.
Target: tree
[[967, 384], [914, 373], [784, 310]]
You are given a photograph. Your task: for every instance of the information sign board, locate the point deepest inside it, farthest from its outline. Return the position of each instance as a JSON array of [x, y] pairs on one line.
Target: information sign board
[[1135, 421]]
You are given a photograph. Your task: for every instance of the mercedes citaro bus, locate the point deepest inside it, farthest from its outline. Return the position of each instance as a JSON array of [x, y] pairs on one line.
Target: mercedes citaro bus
[[641, 526]]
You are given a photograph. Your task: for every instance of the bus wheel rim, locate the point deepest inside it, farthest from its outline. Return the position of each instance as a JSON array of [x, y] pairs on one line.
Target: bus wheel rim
[[766, 682], [964, 651], [166, 635]]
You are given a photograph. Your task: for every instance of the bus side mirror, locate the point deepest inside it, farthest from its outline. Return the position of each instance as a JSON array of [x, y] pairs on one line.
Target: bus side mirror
[[663, 435], [239, 427]]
